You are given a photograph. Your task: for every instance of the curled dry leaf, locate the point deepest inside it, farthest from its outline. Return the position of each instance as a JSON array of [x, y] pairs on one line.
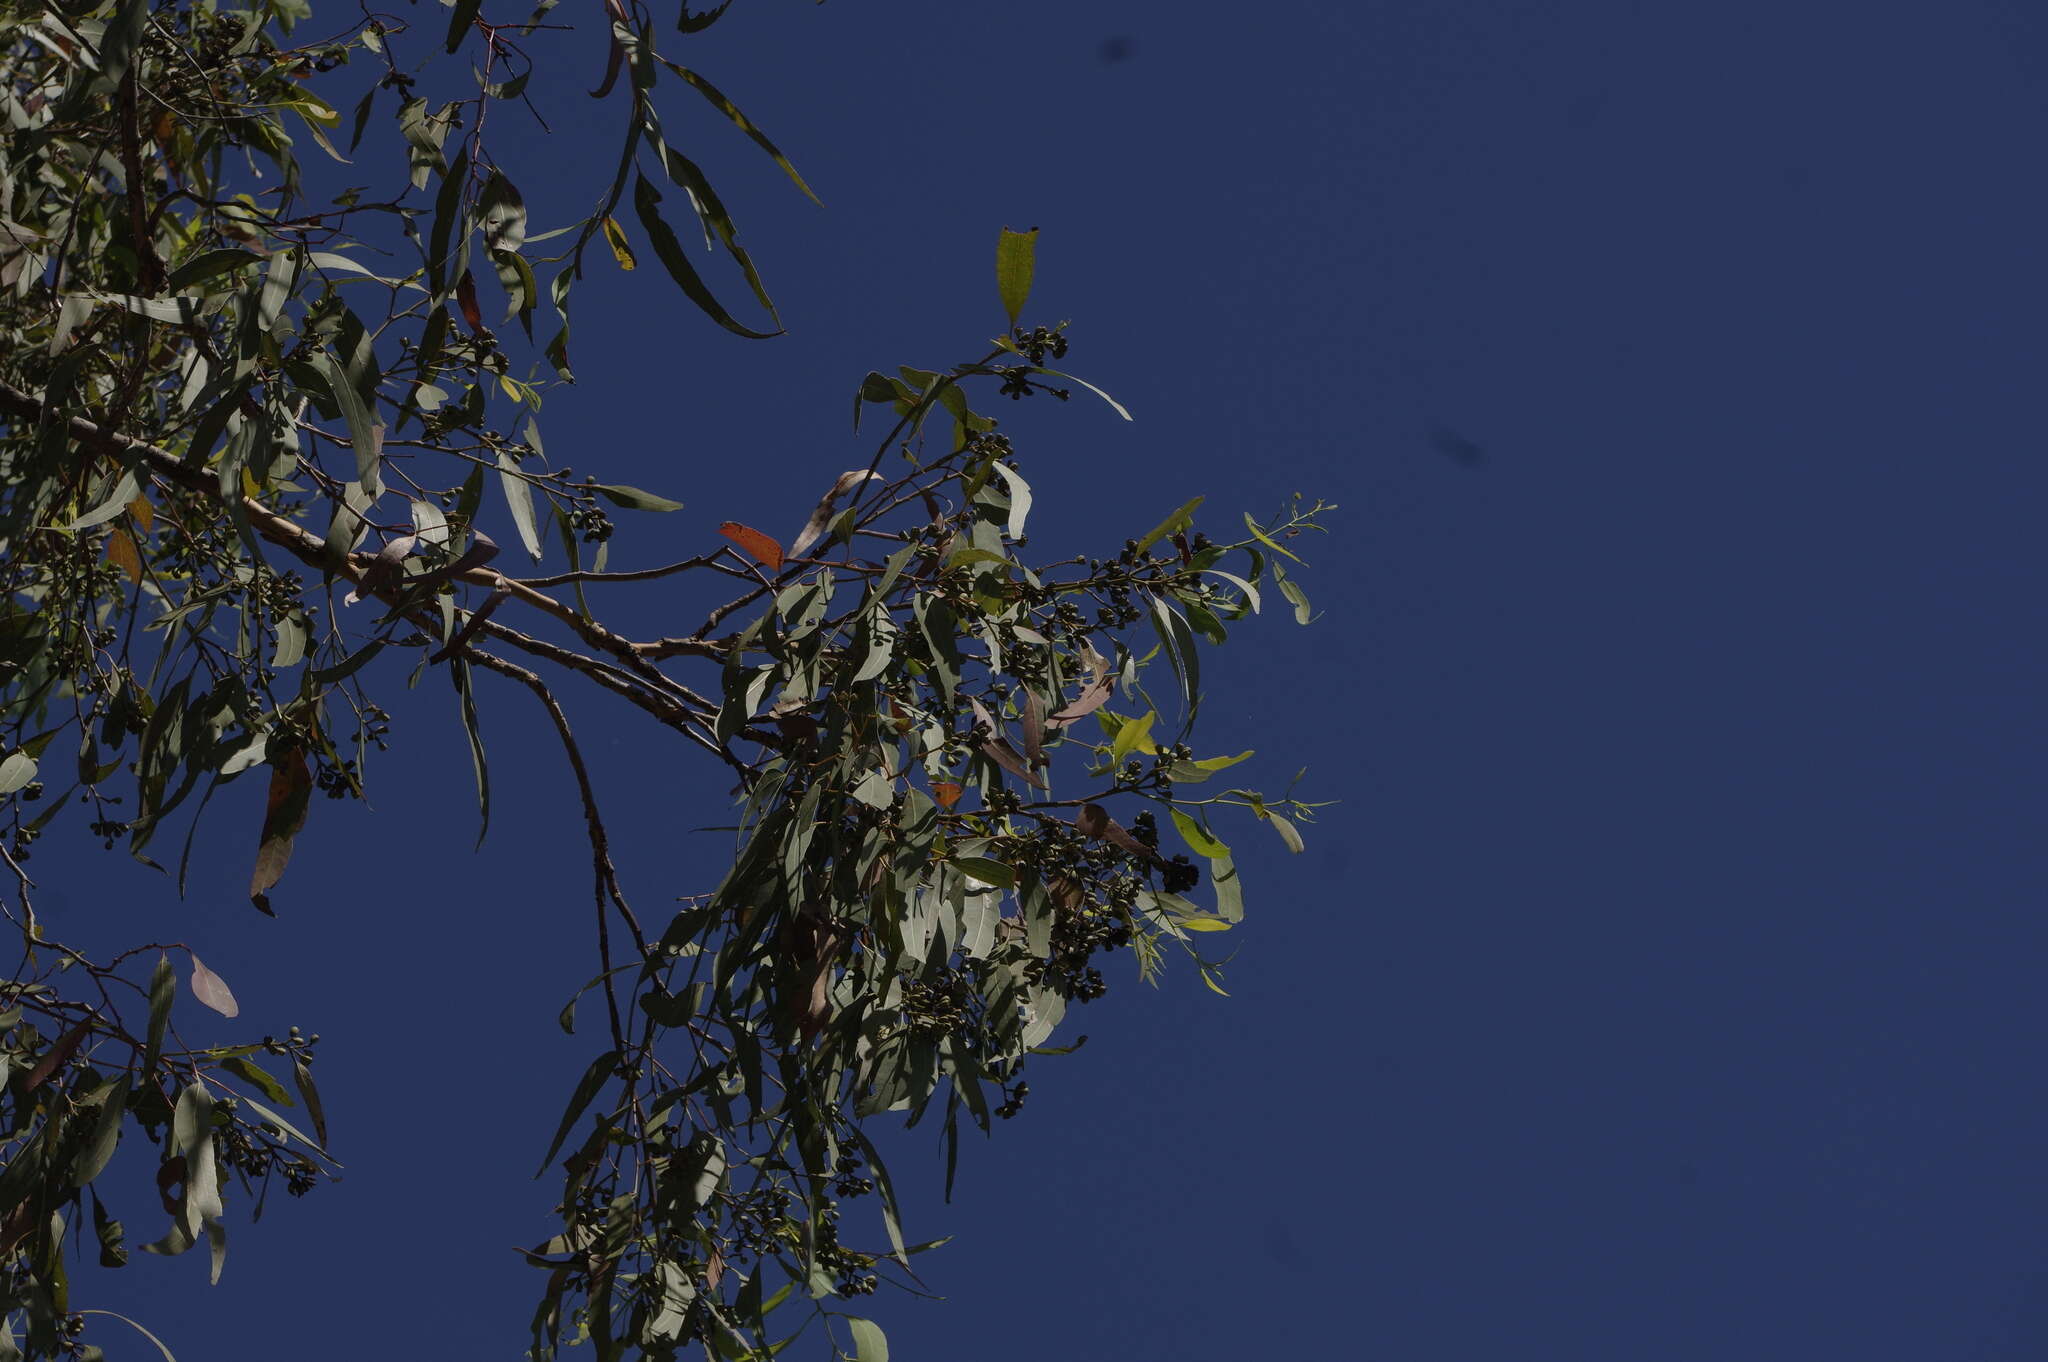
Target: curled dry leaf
[[996, 747], [946, 792], [211, 989], [1096, 825], [1094, 695], [1034, 730], [385, 570], [812, 946], [821, 516], [761, 546]]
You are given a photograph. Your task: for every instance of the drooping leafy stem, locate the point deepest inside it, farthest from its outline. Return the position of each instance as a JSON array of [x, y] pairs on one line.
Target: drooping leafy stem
[[242, 473]]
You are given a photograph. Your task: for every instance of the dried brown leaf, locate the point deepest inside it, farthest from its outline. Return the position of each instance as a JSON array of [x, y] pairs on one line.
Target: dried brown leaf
[[821, 516], [123, 554]]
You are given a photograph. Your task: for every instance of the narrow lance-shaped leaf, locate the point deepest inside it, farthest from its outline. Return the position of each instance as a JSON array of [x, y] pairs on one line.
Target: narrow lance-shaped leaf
[[163, 989], [671, 254], [302, 1079], [519, 500], [633, 498], [587, 1088], [466, 696], [743, 123], [96, 1152]]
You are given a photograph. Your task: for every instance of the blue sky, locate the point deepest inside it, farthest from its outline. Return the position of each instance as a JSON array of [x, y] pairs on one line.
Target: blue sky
[[1664, 985]]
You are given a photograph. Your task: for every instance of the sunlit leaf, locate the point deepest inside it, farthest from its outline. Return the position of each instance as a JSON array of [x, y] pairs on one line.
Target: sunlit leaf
[[622, 250], [869, 1342], [1016, 261], [519, 501], [16, 770], [761, 546], [1198, 838], [1180, 520]]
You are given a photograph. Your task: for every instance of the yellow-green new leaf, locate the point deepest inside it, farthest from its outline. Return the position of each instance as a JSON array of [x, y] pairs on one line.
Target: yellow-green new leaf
[[1198, 838], [1016, 262]]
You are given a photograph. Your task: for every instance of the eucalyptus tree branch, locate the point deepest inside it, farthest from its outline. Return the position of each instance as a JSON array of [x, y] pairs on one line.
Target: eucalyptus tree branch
[[658, 694]]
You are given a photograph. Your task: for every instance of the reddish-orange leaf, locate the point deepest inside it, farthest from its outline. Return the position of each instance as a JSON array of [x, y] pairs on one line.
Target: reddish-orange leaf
[[946, 792], [66, 1046], [284, 813], [753, 541], [144, 514], [465, 295], [122, 553]]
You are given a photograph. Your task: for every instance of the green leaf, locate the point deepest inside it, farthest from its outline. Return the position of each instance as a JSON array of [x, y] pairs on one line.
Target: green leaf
[[519, 500], [1298, 598], [632, 498], [986, 871], [1288, 832], [210, 265], [366, 433], [137, 1328], [1016, 261], [1198, 838], [1265, 538], [1180, 653], [18, 770], [1114, 405], [869, 1342], [459, 670], [462, 21], [447, 210], [1176, 523], [504, 214], [1132, 735], [112, 504], [264, 1113], [106, 1134], [244, 1068], [1020, 501], [163, 988], [587, 1088], [302, 1079], [743, 123], [671, 254]]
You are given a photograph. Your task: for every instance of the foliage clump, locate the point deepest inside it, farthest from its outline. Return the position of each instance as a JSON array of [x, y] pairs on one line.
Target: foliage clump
[[245, 480]]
